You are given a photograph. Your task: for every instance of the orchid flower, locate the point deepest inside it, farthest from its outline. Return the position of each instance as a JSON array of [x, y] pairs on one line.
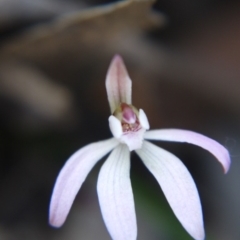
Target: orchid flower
[[129, 127]]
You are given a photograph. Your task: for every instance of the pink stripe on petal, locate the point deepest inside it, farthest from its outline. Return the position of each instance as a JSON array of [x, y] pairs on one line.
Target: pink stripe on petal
[[118, 84], [115, 195], [71, 177], [178, 135], [177, 185]]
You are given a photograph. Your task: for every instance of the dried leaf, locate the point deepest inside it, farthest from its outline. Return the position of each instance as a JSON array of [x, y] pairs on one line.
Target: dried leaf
[[85, 31]]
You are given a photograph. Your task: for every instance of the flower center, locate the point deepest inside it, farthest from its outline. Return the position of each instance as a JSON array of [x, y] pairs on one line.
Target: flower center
[[127, 114]]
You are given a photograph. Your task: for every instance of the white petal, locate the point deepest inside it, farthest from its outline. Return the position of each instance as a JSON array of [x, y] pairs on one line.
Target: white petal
[[115, 126], [72, 176], [178, 135], [177, 185], [133, 140], [116, 197], [143, 119], [118, 84]]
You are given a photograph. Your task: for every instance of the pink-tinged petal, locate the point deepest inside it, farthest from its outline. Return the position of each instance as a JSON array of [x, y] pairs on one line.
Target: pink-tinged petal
[[72, 176], [177, 185], [118, 84], [178, 135], [116, 196]]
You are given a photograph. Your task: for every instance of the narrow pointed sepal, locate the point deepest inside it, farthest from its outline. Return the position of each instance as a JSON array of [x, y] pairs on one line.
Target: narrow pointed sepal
[[116, 196], [118, 84], [72, 176], [178, 135], [177, 185]]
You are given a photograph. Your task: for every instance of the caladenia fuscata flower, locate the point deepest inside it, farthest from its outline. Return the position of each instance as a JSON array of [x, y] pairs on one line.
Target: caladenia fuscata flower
[[129, 127]]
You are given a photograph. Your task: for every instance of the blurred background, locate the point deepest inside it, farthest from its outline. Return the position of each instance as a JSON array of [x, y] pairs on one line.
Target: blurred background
[[183, 58]]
